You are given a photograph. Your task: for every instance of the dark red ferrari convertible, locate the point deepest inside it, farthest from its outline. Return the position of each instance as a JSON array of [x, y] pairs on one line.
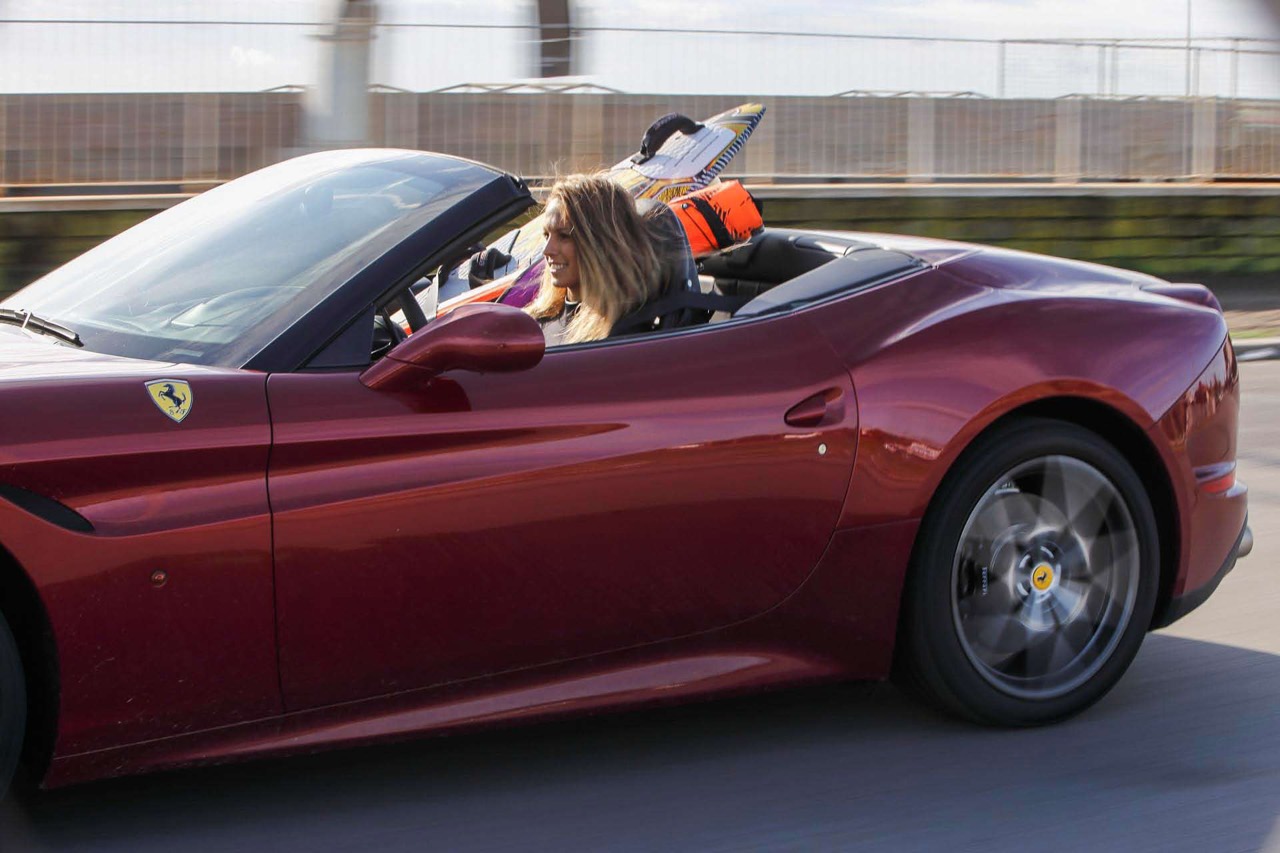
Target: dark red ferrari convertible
[[244, 511]]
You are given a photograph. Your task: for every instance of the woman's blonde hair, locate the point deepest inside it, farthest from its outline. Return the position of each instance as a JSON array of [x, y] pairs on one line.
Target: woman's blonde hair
[[618, 265]]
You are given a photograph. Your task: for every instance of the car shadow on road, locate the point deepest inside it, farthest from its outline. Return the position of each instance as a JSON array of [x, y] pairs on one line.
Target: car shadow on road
[[1184, 754]]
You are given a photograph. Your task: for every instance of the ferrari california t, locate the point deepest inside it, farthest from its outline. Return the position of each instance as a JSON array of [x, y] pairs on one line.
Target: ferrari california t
[[263, 491]]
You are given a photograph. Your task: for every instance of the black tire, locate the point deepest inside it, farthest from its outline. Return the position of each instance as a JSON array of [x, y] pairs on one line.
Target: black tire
[[13, 706], [1034, 577]]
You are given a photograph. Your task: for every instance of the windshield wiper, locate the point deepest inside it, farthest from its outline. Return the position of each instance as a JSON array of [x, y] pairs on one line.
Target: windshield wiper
[[27, 320]]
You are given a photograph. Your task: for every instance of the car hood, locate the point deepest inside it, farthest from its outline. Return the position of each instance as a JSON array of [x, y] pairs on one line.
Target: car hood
[[26, 356]]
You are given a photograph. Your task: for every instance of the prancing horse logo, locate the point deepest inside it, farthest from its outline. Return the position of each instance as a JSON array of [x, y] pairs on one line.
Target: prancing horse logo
[[171, 396], [1042, 577]]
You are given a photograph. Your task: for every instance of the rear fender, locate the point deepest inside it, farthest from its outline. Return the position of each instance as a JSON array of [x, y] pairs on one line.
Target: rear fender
[[1199, 433], [935, 360]]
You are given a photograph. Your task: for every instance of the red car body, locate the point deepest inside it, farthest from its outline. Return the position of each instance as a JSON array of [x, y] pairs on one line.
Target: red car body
[[306, 561]]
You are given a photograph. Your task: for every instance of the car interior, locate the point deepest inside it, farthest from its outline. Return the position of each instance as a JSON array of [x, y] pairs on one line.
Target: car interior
[[780, 268], [777, 270]]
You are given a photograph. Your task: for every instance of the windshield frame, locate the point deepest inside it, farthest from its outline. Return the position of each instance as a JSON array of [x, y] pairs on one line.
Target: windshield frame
[[310, 282]]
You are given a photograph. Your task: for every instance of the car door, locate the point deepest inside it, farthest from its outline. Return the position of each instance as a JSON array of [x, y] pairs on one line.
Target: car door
[[616, 494]]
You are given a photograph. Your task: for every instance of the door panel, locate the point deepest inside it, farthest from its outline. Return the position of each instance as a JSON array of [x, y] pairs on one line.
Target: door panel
[[611, 496]]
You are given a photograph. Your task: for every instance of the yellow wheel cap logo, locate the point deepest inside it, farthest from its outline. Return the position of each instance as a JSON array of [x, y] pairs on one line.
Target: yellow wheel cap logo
[[171, 396], [1042, 576]]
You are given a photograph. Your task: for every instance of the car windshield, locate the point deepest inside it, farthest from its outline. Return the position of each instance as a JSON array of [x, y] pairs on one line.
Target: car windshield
[[213, 280]]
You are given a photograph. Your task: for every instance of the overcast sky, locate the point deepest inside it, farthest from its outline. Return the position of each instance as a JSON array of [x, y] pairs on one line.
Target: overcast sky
[[938, 18], [65, 57]]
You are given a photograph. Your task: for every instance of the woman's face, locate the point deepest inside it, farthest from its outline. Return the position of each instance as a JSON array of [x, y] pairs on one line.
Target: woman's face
[[561, 253]]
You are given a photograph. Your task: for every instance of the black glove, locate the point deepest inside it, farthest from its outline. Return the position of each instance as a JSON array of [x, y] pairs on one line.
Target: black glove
[[485, 264]]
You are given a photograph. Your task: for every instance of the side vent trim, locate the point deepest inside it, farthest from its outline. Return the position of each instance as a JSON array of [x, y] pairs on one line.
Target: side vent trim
[[46, 508]]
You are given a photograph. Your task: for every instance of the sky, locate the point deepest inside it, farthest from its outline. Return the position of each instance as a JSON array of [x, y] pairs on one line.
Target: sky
[[960, 18], [245, 57]]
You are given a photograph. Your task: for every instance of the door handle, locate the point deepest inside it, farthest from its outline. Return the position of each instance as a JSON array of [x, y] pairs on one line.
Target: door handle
[[813, 410]]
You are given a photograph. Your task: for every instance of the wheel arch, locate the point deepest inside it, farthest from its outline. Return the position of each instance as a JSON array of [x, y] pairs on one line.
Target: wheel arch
[[28, 619], [1119, 430]]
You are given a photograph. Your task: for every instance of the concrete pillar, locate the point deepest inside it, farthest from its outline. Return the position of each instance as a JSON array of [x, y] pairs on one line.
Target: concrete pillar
[[555, 39], [337, 107]]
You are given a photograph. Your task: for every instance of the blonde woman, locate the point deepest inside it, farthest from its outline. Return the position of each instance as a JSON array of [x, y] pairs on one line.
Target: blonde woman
[[600, 261]]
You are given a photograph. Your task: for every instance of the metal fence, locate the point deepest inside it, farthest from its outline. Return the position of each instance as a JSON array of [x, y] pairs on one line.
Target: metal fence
[[130, 139], [171, 100]]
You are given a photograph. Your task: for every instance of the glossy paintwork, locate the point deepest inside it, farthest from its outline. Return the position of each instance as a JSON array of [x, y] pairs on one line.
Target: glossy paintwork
[[27, 357], [839, 624], [479, 338], [619, 525], [940, 356], [610, 496], [138, 661], [1200, 431]]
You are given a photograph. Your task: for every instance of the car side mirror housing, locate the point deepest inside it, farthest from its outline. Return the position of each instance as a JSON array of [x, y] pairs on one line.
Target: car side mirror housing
[[482, 337]]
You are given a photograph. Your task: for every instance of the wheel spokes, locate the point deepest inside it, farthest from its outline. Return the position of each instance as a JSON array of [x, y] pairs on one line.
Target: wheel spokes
[[1050, 560]]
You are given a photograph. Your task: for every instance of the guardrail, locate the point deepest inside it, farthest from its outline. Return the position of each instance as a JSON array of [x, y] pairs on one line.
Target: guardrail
[[1184, 231]]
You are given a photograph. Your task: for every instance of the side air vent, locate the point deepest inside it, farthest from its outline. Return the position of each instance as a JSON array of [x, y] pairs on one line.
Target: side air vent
[[46, 508]]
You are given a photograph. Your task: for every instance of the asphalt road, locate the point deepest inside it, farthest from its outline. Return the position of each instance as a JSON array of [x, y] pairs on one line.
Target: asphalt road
[[1183, 755]]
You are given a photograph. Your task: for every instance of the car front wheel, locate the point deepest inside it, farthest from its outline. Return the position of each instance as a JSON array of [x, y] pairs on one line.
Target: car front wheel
[[1034, 579], [13, 706]]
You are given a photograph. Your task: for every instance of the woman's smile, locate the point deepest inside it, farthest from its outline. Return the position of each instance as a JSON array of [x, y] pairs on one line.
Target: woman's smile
[[561, 253]]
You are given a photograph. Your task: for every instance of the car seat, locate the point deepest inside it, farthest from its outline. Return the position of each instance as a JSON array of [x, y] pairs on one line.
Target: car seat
[[679, 270]]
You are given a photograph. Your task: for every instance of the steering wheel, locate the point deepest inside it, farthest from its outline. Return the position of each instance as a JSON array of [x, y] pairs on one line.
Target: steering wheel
[[413, 313], [387, 334]]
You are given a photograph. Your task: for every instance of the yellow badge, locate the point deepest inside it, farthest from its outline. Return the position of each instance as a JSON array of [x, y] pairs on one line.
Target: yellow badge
[[1042, 576], [171, 396]]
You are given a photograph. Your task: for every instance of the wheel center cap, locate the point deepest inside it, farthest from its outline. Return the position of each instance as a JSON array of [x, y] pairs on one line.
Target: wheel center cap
[[1042, 576]]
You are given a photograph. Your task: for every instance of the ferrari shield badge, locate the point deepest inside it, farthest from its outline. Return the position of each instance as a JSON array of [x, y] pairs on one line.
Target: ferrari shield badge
[[171, 396]]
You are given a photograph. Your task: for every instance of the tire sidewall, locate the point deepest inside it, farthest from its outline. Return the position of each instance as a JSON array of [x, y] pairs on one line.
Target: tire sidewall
[[937, 657], [13, 706]]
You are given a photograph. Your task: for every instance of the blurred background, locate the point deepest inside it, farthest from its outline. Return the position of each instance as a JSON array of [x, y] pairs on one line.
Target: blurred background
[[1140, 134], [165, 91], [1143, 134]]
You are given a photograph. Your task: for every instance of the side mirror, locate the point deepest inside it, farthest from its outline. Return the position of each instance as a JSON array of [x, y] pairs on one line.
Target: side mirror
[[482, 337]]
